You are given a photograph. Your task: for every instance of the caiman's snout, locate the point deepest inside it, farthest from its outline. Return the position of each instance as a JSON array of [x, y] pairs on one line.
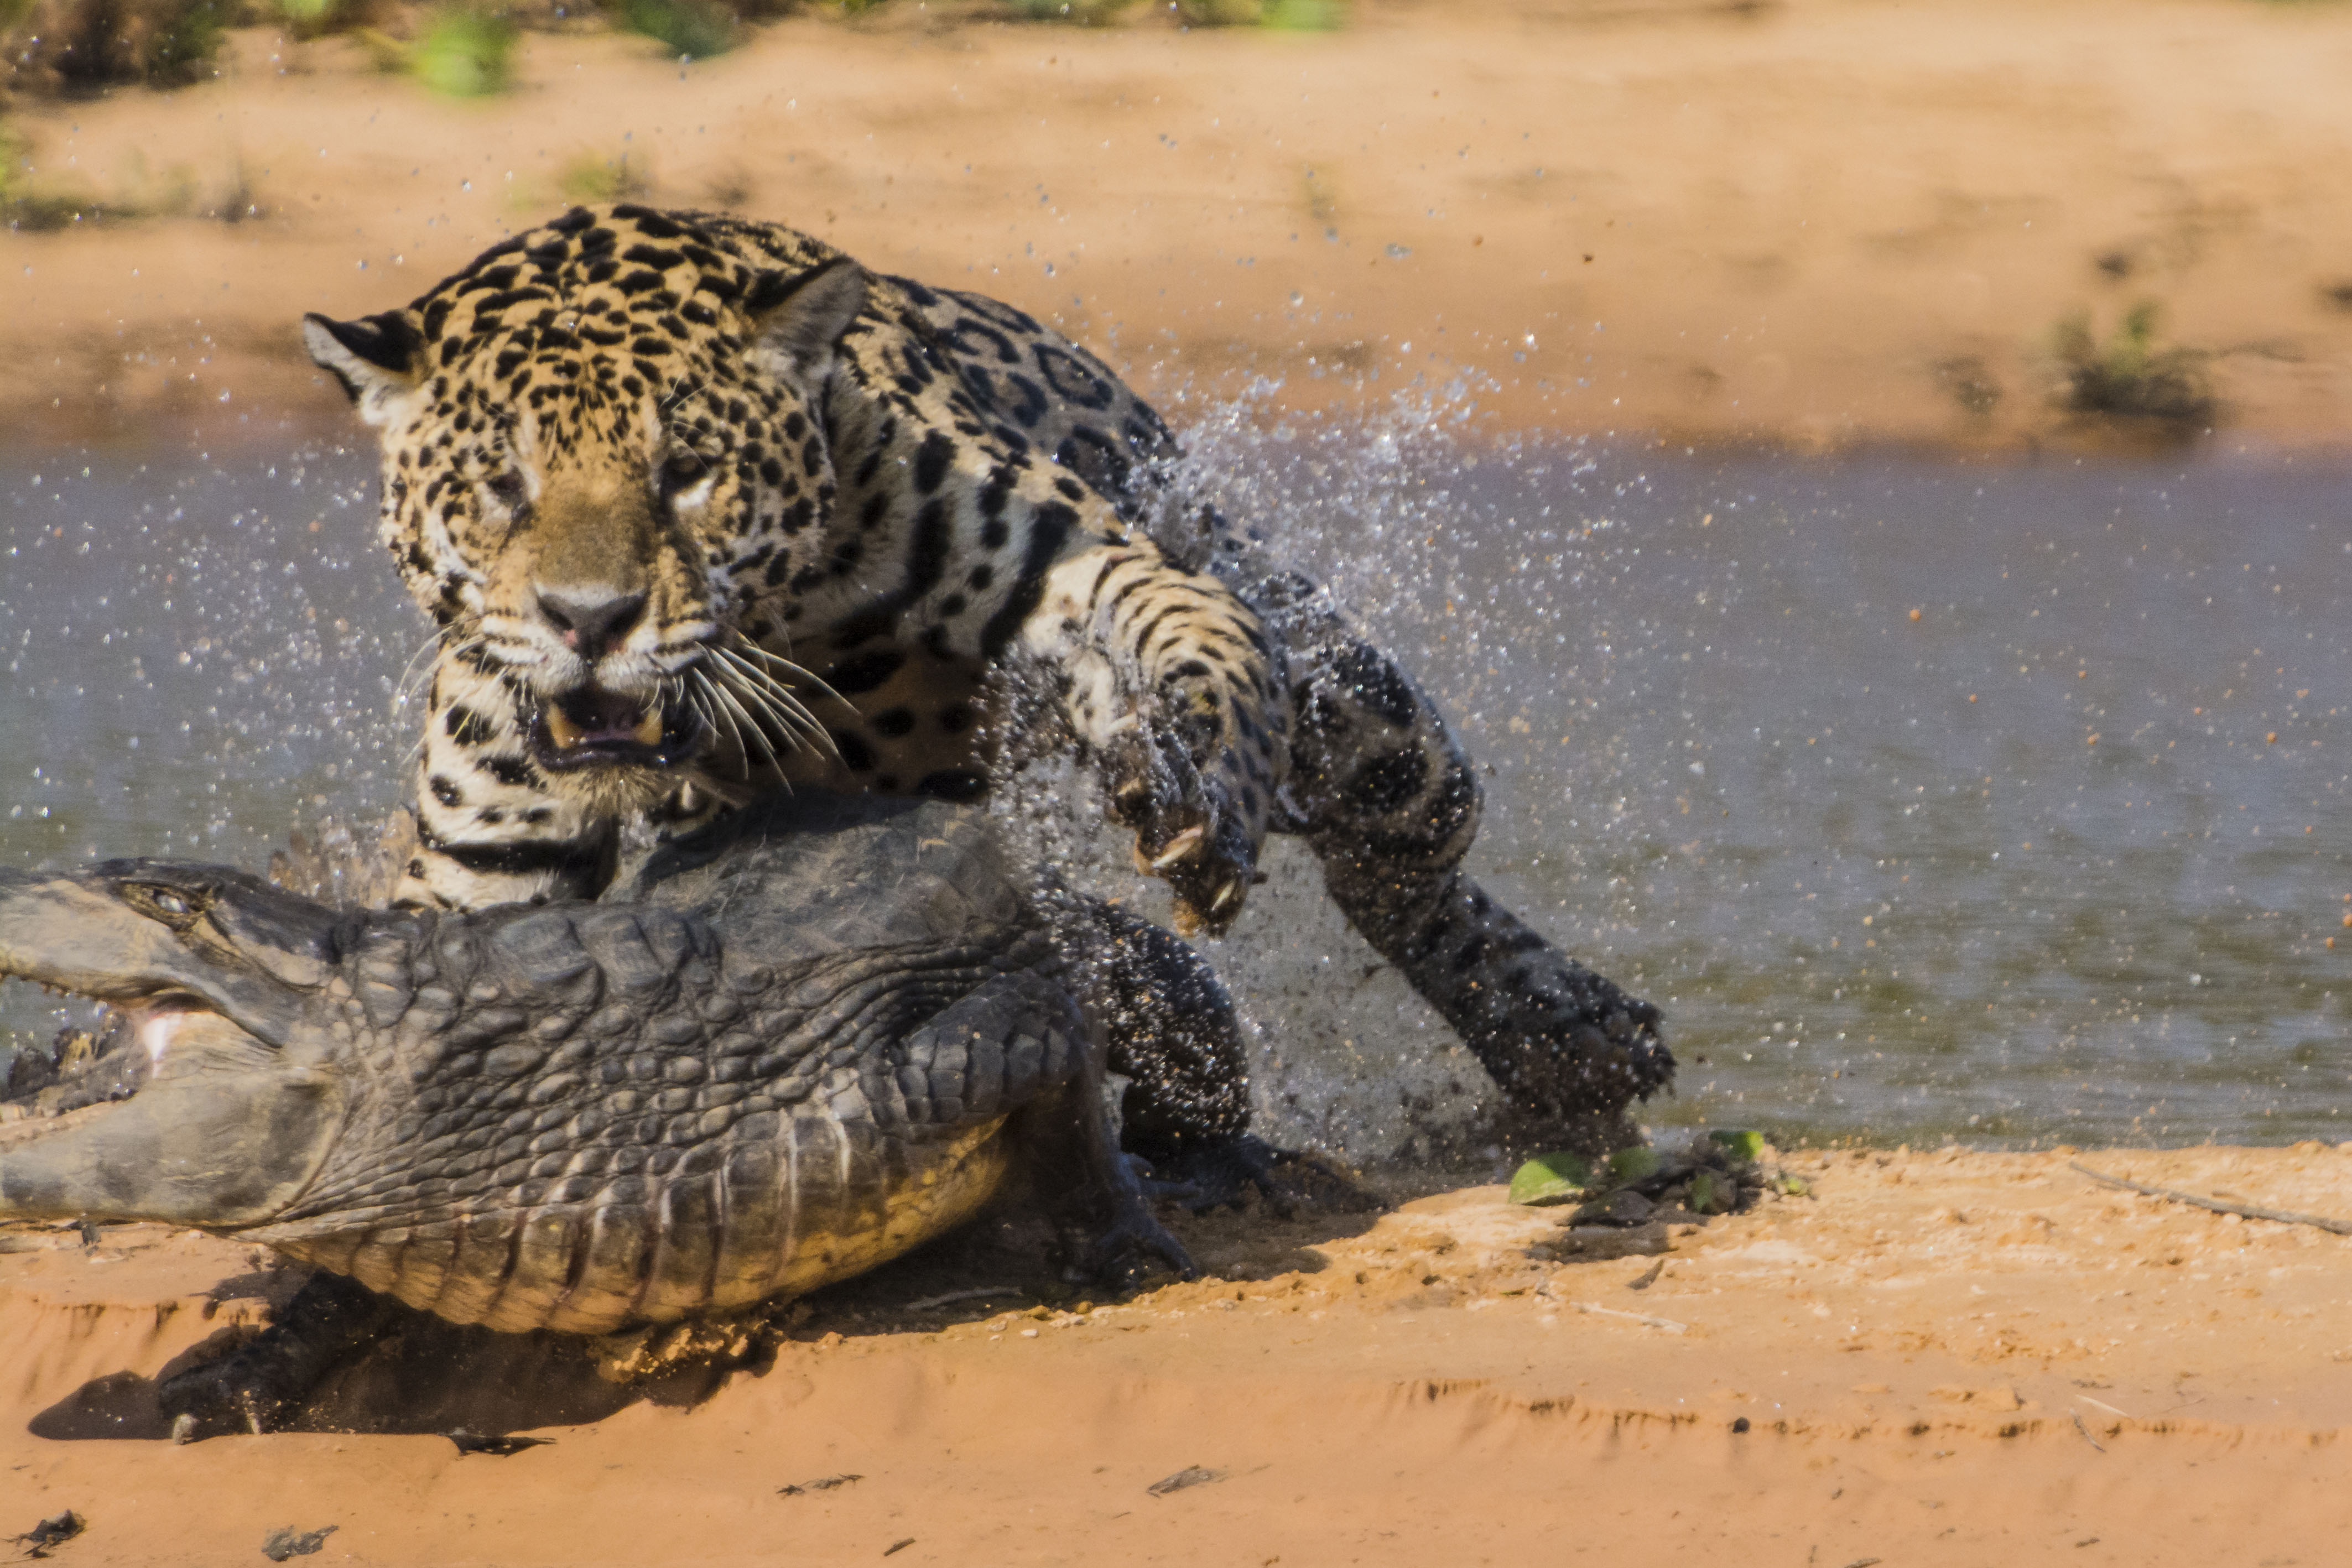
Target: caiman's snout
[[211, 968]]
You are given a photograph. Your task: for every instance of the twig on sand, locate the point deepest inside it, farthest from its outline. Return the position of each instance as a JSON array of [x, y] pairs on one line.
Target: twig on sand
[[1645, 1318], [2281, 1216], [2086, 1431], [977, 1293]]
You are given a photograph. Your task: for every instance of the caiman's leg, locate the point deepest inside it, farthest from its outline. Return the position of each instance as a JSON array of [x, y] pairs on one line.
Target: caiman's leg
[[1077, 1168], [1381, 789], [258, 1386], [1175, 1036]]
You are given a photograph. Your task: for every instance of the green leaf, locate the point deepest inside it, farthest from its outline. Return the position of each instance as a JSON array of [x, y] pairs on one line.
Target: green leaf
[[1794, 1186], [1551, 1178], [1740, 1143], [1704, 1198], [1634, 1164]]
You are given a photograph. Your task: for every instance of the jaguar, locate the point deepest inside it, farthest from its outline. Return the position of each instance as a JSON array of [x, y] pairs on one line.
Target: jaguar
[[699, 502]]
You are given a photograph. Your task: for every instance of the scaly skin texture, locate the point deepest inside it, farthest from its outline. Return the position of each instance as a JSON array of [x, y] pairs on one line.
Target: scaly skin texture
[[784, 1051]]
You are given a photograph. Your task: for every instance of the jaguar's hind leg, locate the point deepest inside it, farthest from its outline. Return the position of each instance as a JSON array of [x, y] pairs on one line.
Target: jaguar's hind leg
[[1381, 790]]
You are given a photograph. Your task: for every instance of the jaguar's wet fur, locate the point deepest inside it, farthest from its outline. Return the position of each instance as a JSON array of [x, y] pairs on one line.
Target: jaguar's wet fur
[[634, 461]]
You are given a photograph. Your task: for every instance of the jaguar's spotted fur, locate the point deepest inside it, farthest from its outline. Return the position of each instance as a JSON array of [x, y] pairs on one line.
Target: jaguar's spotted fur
[[635, 460]]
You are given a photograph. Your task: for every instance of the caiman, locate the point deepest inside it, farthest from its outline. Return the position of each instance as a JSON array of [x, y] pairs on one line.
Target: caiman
[[783, 1050]]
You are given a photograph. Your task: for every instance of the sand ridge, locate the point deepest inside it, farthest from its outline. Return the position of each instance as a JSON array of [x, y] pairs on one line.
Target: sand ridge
[[1935, 1356]]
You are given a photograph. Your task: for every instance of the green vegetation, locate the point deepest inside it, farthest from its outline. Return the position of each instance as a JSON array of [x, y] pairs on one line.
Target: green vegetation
[[1083, 12], [28, 208], [314, 18], [1551, 1178], [2128, 376], [464, 49], [589, 178], [692, 29], [82, 45], [464, 52], [186, 39], [1739, 1143], [1286, 16], [1717, 1176]]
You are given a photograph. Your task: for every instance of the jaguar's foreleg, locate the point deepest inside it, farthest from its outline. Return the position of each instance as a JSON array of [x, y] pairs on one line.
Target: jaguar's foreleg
[[1169, 682], [1385, 794]]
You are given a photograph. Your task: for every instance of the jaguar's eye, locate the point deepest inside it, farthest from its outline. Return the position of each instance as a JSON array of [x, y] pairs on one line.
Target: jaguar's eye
[[508, 489], [681, 471]]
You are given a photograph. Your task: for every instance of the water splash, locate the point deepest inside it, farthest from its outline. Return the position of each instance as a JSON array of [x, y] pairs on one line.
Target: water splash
[[1725, 762]]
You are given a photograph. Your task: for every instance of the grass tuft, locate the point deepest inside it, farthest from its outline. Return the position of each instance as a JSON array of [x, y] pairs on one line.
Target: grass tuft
[[464, 52], [2130, 376]]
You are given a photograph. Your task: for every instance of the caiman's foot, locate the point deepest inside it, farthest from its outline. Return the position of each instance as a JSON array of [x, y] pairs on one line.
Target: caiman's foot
[[1222, 1172], [1120, 1253], [258, 1386]]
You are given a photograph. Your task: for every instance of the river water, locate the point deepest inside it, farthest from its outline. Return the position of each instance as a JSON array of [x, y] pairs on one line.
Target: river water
[[1930, 800]]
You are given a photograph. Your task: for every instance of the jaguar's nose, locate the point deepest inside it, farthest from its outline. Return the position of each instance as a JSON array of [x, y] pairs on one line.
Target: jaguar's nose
[[591, 619]]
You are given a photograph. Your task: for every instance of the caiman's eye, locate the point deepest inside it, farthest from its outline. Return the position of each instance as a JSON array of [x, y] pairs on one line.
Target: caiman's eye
[[508, 489], [178, 908], [679, 471]]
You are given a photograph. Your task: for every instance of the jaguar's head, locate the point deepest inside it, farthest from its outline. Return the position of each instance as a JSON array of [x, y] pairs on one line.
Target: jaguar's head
[[603, 442]]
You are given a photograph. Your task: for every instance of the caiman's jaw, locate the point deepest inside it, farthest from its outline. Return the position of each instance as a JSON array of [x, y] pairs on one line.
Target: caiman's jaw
[[589, 726], [199, 1116]]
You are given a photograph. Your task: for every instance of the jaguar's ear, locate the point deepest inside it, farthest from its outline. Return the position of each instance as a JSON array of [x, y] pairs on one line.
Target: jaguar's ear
[[801, 316], [376, 358]]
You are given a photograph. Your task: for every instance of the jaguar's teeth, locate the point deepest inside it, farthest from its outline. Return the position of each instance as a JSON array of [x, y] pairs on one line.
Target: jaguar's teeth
[[561, 730], [1184, 846], [649, 728]]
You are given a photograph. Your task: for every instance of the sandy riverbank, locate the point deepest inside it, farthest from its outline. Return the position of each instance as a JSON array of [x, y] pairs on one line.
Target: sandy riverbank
[[1940, 1357], [1818, 223]]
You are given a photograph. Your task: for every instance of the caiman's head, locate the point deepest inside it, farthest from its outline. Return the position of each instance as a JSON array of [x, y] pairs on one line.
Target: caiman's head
[[606, 459], [212, 970]]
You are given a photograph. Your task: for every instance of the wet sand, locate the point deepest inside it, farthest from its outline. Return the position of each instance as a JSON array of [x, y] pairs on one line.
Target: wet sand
[[1815, 224], [1940, 1357]]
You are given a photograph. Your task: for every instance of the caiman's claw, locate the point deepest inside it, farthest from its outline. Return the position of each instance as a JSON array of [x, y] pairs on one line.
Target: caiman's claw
[[1115, 1257]]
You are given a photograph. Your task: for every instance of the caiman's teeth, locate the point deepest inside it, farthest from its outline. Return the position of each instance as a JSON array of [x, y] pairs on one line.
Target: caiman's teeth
[[649, 728], [561, 730]]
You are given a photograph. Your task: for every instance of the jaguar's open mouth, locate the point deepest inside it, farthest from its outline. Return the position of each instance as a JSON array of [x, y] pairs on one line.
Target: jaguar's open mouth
[[591, 728]]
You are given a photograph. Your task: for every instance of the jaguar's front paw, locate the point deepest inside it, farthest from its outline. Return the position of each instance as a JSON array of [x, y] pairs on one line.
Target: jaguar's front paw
[[1187, 831], [1594, 1055]]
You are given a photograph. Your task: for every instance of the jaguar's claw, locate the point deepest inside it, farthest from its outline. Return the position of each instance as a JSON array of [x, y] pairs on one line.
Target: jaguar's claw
[[1182, 846]]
